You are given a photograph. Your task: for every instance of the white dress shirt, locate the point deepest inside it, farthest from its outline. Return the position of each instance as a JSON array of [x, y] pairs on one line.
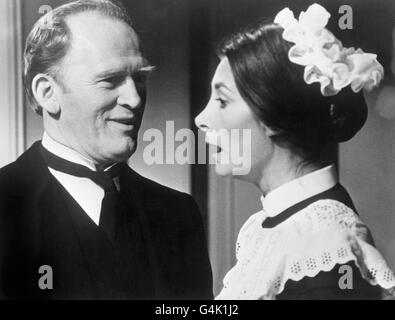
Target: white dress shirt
[[87, 193]]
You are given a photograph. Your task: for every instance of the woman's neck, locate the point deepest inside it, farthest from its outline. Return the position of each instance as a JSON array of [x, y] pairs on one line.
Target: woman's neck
[[282, 168]]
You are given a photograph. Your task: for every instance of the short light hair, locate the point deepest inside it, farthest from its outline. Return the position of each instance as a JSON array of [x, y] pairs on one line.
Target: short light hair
[[49, 40]]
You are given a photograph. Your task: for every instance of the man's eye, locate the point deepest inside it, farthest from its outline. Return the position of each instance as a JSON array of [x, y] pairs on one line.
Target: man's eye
[[113, 81], [140, 77], [223, 103]]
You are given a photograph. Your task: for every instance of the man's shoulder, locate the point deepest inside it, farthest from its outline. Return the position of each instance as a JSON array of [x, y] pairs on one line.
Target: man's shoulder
[[8, 171], [170, 211], [150, 188], [11, 173], [22, 170]]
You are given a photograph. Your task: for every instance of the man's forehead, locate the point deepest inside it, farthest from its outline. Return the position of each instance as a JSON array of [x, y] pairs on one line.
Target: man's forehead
[[119, 64], [92, 31], [102, 42]]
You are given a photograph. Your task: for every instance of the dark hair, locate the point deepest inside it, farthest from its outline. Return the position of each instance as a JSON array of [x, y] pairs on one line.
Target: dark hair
[[49, 40], [303, 120]]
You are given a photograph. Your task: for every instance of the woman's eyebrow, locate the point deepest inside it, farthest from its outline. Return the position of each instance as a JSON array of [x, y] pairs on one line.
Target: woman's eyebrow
[[222, 85]]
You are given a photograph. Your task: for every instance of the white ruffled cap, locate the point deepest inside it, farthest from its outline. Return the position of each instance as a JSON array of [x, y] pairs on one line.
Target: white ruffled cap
[[325, 59]]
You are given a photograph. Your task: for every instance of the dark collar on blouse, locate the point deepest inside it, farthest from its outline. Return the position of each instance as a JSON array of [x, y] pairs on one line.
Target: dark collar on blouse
[[337, 193]]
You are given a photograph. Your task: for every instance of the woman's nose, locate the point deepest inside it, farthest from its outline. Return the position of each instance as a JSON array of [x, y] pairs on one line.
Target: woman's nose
[[201, 121]]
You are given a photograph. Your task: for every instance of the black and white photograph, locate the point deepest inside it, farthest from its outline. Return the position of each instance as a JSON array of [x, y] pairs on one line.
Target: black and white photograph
[[197, 153]]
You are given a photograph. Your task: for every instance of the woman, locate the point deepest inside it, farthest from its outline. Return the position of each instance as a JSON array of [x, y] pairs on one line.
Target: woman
[[297, 91]]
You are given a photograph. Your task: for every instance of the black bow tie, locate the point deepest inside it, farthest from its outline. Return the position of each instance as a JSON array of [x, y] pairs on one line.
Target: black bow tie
[[102, 178], [112, 205]]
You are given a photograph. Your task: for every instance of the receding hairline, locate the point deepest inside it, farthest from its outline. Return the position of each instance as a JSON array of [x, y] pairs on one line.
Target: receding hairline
[[50, 39], [73, 24], [98, 14]]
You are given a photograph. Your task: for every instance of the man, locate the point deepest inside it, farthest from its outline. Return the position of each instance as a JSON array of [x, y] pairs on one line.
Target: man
[[75, 220]]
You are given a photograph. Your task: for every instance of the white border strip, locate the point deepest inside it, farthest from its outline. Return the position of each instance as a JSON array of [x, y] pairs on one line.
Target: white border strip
[[12, 140]]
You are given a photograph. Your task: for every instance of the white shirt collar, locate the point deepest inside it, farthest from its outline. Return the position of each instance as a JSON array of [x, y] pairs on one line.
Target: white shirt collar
[[65, 152], [298, 190]]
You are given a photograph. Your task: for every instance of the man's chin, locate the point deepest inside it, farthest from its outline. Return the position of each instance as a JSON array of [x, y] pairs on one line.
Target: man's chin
[[124, 152]]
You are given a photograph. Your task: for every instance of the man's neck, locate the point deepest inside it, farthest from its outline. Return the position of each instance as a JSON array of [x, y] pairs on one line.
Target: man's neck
[[68, 153]]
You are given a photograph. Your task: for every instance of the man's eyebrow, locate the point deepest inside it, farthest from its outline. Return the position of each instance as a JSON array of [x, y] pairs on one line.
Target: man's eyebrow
[[123, 71], [146, 68]]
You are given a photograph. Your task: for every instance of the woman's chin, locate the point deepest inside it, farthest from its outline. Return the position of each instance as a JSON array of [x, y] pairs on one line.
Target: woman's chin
[[235, 172], [224, 170]]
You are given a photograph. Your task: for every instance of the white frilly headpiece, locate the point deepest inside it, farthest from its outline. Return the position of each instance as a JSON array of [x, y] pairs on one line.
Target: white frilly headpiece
[[325, 59]]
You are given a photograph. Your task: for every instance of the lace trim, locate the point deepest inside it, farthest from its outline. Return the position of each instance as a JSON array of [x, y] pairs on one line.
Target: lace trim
[[316, 239], [377, 274]]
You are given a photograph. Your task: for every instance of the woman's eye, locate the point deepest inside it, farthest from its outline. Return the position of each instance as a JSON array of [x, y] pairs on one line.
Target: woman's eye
[[223, 103]]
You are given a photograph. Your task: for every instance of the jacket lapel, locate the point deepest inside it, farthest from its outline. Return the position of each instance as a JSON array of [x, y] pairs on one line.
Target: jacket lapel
[[138, 215], [52, 230]]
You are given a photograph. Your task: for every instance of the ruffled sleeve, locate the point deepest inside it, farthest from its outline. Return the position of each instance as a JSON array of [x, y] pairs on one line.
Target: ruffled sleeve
[[326, 235], [343, 282], [302, 255]]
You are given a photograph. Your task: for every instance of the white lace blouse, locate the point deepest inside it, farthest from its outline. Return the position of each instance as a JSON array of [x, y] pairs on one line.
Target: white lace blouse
[[315, 239]]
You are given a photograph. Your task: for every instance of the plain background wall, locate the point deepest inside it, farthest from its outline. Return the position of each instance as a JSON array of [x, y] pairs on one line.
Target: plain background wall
[[165, 40]]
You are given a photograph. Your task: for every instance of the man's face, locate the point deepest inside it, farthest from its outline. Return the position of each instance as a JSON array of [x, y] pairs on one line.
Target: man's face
[[103, 95]]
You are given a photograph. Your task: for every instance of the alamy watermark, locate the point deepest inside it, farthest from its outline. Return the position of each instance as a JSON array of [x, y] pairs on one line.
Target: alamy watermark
[[225, 147], [45, 282]]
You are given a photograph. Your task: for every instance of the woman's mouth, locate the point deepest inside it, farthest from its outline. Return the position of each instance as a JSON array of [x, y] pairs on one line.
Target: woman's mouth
[[212, 139]]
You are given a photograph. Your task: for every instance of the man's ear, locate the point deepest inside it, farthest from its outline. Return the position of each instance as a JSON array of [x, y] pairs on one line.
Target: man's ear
[[44, 90]]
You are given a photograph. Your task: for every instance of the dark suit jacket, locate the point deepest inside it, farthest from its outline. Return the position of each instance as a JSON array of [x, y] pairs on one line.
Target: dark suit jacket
[[38, 228]]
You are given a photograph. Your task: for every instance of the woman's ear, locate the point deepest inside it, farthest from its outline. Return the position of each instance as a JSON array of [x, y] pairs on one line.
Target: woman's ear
[[268, 131], [44, 91]]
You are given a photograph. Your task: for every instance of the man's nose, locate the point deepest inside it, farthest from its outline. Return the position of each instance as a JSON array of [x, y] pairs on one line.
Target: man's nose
[[129, 96]]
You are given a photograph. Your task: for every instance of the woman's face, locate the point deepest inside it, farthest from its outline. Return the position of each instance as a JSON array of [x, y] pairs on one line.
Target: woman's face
[[241, 143]]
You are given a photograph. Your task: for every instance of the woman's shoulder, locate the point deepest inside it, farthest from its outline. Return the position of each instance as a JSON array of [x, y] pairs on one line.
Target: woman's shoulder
[[332, 212], [343, 282], [335, 195], [329, 214], [304, 251], [324, 236]]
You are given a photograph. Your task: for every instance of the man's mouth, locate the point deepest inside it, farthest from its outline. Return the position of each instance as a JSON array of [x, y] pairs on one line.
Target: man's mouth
[[130, 123], [127, 121]]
